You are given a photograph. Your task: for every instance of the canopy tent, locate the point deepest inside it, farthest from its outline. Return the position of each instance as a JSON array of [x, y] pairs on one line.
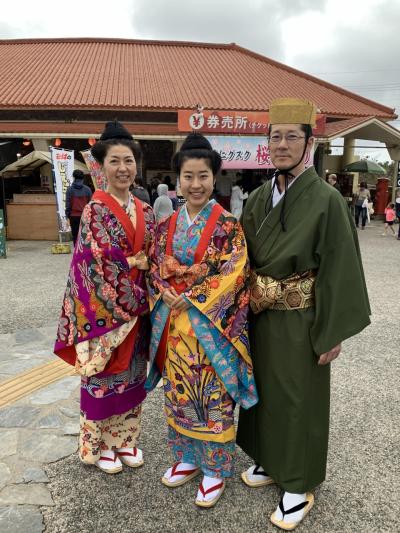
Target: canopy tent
[[32, 161]]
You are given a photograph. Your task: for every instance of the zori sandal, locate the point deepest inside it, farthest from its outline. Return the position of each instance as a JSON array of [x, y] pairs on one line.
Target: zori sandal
[[256, 477], [109, 462], [203, 494], [306, 506], [132, 457], [175, 477]]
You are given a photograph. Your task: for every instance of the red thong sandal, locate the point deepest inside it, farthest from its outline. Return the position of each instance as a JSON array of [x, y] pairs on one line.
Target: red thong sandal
[[210, 503], [132, 457], [109, 463], [187, 474]]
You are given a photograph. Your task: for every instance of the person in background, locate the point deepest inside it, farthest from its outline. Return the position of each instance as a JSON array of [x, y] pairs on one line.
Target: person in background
[[237, 197], [155, 182], [77, 196], [390, 215], [163, 205], [179, 197], [224, 186], [361, 205], [139, 191], [171, 192], [332, 180], [398, 211]]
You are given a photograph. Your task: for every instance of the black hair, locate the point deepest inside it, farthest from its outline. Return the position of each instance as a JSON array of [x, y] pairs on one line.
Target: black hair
[[78, 174], [100, 149], [212, 158], [305, 128], [196, 146], [363, 184]]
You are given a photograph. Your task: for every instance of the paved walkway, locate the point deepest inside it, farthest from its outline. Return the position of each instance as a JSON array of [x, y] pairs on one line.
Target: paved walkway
[[44, 486]]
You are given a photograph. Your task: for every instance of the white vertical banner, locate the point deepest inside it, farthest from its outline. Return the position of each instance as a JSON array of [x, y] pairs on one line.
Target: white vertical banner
[[63, 167]]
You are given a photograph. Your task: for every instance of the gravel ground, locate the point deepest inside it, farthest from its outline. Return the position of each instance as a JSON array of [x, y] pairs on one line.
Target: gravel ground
[[362, 486], [32, 282]]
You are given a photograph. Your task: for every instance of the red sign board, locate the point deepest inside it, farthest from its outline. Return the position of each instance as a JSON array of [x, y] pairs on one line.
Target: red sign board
[[232, 122], [223, 121]]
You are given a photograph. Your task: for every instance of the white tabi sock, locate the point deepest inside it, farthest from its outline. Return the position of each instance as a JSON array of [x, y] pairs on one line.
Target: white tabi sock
[[177, 476], [291, 500], [209, 482]]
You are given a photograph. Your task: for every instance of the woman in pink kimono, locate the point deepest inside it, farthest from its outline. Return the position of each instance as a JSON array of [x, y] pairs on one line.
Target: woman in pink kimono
[[104, 325]]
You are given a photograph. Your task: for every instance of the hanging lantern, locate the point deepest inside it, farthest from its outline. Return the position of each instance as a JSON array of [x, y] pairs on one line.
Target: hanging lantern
[[26, 142], [57, 142], [91, 142]]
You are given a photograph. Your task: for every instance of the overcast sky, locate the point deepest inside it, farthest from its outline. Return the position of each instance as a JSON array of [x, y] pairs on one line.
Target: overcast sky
[[351, 43]]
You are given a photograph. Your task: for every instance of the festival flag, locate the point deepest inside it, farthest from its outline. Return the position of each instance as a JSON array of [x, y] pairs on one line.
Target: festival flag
[[63, 167], [98, 178]]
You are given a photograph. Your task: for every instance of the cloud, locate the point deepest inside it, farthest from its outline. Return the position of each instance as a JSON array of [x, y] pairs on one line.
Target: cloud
[[255, 24], [361, 55], [9, 32]]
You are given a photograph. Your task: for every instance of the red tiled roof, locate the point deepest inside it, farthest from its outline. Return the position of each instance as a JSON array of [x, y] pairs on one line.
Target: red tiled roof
[[339, 126], [118, 74]]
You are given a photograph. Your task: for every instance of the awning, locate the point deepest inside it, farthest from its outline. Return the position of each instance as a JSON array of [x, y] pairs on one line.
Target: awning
[[32, 161], [370, 128]]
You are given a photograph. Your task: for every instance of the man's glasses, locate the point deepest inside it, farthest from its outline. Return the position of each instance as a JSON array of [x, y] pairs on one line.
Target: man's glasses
[[290, 139]]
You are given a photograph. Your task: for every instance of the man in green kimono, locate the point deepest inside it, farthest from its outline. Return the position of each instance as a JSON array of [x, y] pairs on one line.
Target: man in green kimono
[[308, 295]]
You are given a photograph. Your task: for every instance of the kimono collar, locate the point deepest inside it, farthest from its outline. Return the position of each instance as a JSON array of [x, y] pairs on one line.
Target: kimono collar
[[189, 221], [277, 196]]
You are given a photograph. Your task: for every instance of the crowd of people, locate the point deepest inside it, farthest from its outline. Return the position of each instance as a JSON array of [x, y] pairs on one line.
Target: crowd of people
[[364, 207], [225, 312]]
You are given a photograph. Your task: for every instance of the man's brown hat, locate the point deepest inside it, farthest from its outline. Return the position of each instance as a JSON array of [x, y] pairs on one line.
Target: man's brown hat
[[292, 111]]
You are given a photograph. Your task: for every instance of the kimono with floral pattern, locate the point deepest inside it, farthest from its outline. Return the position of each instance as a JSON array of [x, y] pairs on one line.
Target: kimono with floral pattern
[[207, 365], [105, 305]]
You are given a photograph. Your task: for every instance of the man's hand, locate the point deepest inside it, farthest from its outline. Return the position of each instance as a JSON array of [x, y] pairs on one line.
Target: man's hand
[[327, 357]]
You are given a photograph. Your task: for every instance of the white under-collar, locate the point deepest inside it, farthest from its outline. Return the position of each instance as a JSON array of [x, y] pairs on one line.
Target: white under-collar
[[189, 221], [277, 196]]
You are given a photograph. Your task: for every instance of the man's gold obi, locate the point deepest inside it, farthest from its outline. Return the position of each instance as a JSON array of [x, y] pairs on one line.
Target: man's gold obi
[[293, 292]]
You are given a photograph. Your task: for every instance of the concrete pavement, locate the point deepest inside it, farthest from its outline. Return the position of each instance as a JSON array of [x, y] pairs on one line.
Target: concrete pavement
[[44, 485]]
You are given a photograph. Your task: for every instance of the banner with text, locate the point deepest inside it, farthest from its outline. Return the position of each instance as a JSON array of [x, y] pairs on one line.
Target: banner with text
[[223, 121], [63, 167], [98, 178], [233, 122], [245, 152]]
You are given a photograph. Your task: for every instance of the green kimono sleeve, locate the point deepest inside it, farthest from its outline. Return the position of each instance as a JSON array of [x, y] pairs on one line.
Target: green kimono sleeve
[[341, 299]]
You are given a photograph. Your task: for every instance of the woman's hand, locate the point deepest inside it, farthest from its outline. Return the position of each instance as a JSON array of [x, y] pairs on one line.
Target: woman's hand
[[174, 300], [131, 262], [169, 296], [327, 357], [140, 261], [181, 304]]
